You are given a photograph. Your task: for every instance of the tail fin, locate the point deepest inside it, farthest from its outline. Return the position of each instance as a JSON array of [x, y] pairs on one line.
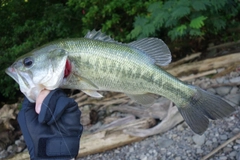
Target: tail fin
[[204, 105]]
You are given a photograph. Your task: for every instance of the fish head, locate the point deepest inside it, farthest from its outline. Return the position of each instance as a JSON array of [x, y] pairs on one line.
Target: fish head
[[38, 70]]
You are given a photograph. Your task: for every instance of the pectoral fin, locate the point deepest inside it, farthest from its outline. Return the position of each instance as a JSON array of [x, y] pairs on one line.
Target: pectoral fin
[[145, 99], [92, 93]]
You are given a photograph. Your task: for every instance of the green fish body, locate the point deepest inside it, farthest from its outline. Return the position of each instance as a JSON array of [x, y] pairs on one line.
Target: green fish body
[[98, 63]]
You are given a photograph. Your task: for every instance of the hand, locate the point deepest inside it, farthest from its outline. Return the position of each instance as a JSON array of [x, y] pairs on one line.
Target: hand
[[43, 94], [55, 132]]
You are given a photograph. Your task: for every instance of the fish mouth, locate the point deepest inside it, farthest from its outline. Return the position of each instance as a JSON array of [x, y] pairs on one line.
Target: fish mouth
[[12, 73], [68, 68]]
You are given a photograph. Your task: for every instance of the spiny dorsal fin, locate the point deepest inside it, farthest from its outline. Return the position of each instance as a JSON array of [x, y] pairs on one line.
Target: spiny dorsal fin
[[98, 35], [155, 48]]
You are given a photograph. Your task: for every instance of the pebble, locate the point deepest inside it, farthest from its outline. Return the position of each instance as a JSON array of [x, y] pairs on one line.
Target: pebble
[[238, 155], [227, 149], [235, 80], [233, 154], [3, 154], [199, 139], [208, 143], [199, 151], [222, 91], [223, 137], [214, 139], [211, 90], [238, 141], [220, 80], [223, 158], [178, 158], [234, 90], [235, 98]]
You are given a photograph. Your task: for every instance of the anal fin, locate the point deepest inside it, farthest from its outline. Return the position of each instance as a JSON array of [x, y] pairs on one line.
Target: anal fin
[[145, 99], [92, 93]]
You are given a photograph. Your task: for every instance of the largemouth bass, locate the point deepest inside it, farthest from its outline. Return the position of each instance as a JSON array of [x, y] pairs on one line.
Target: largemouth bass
[[97, 62]]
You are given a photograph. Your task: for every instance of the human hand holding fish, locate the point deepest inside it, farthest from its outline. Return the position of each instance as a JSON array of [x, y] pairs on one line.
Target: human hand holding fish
[[54, 132], [99, 63], [42, 95]]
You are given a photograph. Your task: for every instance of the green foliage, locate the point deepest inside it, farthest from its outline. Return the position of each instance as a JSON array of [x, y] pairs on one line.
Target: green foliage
[[114, 17], [186, 18]]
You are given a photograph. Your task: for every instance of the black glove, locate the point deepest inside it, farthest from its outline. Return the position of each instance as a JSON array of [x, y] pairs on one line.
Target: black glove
[[55, 132]]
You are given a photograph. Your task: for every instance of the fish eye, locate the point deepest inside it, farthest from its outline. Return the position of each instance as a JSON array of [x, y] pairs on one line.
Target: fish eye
[[28, 62]]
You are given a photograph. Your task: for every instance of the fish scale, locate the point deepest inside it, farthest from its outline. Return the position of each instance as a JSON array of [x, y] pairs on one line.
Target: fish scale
[[99, 63]]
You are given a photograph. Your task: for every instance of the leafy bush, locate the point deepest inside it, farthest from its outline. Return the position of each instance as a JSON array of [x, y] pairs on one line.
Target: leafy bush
[[186, 18], [114, 17]]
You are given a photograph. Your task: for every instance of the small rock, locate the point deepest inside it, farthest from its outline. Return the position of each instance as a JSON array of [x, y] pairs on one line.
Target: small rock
[[199, 139], [234, 90], [208, 143], [211, 90], [214, 139], [238, 141], [131, 149], [235, 147], [233, 154], [166, 142], [220, 80], [235, 80], [199, 151], [227, 150], [116, 151], [3, 154], [223, 137], [238, 155], [144, 158], [223, 158], [226, 81], [222, 91], [205, 84], [12, 148], [236, 130], [235, 98], [22, 138], [178, 158], [180, 128]]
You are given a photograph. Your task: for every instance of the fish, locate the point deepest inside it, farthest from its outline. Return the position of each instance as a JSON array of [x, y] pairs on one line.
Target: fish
[[97, 62]]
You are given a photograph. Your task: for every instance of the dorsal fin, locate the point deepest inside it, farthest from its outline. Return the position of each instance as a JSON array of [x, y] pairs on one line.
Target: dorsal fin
[[155, 48], [98, 35]]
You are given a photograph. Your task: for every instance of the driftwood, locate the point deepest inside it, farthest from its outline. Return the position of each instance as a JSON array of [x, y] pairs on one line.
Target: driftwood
[[205, 65], [184, 60], [112, 137]]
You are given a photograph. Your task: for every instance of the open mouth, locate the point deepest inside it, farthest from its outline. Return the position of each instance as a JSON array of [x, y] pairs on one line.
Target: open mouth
[[68, 68], [12, 73]]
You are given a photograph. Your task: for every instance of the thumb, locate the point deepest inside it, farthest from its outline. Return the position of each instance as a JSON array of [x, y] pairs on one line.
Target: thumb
[[42, 95]]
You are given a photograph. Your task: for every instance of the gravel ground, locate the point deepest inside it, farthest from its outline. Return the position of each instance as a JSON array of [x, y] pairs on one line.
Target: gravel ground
[[181, 143]]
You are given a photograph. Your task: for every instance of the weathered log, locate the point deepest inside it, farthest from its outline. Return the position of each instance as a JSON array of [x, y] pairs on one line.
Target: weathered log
[[112, 137], [183, 60], [205, 65]]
